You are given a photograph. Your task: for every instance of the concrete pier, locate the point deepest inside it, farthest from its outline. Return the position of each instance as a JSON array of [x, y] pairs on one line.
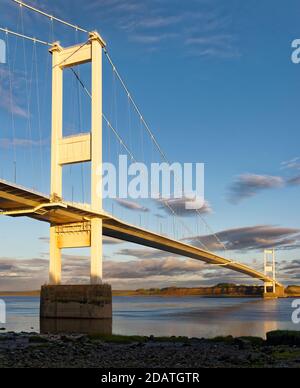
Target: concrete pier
[[82, 326], [279, 293], [76, 301]]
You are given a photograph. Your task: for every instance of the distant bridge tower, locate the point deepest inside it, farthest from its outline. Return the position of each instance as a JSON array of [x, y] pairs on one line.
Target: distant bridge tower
[[270, 270], [77, 149]]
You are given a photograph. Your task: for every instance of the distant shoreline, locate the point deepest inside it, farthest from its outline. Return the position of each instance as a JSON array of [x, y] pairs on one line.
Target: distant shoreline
[[220, 290], [20, 293]]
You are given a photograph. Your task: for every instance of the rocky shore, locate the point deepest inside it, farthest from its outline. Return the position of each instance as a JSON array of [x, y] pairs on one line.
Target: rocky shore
[[281, 349]]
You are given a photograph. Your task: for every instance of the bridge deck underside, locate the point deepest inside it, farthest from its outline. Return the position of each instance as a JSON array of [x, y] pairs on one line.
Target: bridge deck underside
[[16, 201]]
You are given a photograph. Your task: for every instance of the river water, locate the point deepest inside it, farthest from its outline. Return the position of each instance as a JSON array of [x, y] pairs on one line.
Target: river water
[[183, 316]]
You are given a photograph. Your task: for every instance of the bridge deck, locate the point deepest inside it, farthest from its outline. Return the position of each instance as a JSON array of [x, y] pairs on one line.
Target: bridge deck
[[16, 201]]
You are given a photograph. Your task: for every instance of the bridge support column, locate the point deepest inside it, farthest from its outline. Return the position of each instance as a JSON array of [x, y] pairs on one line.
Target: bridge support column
[[96, 251], [278, 292], [76, 302], [91, 301], [71, 301], [55, 258], [86, 147], [271, 289], [86, 234]]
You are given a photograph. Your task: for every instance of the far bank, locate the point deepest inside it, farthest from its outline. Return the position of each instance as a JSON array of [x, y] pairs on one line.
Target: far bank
[[219, 290]]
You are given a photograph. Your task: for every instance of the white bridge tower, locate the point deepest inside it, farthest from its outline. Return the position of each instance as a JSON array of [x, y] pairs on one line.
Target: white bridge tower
[[77, 149], [270, 270]]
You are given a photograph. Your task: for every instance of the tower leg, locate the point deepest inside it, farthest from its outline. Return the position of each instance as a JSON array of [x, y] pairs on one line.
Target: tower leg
[[96, 251], [93, 301], [278, 293], [55, 259]]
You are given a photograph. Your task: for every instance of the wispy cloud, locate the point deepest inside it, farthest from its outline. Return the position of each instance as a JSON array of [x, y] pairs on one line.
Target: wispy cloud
[[293, 164], [19, 274], [18, 142], [147, 38], [144, 270], [160, 21], [113, 6], [293, 167], [10, 104], [141, 253], [209, 45], [251, 238], [249, 185], [294, 181], [179, 206], [10, 99], [200, 28], [131, 205]]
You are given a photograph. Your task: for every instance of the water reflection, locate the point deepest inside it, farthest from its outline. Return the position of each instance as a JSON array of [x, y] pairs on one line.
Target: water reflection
[[84, 326], [186, 316], [194, 329], [201, 317]]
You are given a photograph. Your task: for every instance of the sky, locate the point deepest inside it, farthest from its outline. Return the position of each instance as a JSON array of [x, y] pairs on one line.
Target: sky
[[214, 80]]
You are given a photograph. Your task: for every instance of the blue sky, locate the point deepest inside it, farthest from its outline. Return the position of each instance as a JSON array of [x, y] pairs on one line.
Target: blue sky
[[215, 81]]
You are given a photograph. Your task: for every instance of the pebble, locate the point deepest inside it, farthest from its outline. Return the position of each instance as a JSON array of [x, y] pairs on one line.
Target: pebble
[[81, 351]]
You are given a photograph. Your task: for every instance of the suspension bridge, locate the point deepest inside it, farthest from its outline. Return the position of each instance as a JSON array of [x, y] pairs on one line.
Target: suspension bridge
[[74, 224]]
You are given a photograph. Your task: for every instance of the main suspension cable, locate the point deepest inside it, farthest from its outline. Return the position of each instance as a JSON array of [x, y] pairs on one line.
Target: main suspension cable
[[153, 138], [7, 31], [51, 17], [133, 158]]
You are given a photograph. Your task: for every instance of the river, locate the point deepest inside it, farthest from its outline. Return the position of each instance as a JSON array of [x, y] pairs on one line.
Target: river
[[183, 316]]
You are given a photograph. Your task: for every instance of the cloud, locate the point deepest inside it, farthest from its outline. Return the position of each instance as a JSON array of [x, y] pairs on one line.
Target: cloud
[[294, 181], [111, 241], [133, 274], [11, 11], [290, 266], [249, 185], [221, 45], [22, 274], [10, 101], [251, 238], [149, 270], [44, 239], [110, 7], [157, 215], [170, 271], [143, 38], [10, 104], [131, 205], [19, 142], [291, 164], [289, 271], [28, 274], [141, 253], [179, 205], [151, 267], [201, 28], [160, 21]]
